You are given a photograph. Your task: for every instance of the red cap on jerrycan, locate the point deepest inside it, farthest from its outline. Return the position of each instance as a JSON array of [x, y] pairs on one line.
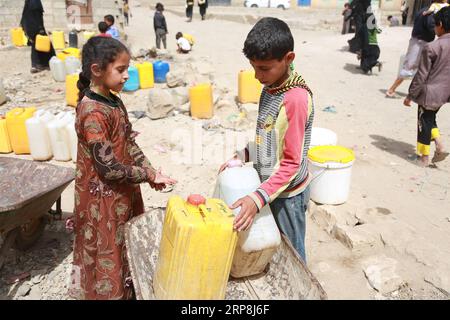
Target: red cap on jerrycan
[[196, 199]]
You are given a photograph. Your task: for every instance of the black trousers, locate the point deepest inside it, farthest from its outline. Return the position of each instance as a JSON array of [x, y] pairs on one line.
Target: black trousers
[[427, 129], [189, 10], [369, 57], [202, 9]]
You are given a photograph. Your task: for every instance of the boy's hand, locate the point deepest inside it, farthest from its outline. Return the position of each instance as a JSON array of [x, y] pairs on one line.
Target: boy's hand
[[407, 102], [245, 218]]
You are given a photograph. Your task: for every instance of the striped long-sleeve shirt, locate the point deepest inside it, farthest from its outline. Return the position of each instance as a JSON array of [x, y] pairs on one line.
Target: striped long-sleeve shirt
[[283, 135]]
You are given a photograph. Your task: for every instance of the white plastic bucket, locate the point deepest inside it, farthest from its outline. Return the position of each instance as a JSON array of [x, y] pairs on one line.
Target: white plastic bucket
[[322, 137], [330, 182]]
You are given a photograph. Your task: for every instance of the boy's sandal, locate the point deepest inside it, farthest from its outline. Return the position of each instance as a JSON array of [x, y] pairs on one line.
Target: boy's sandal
[[440, 156]]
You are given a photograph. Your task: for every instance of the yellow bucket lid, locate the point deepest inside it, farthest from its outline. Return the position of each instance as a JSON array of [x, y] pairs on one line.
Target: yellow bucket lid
[[323, 154]]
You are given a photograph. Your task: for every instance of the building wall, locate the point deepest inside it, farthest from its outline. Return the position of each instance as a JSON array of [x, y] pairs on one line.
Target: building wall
[[382, 4], [55, 14]]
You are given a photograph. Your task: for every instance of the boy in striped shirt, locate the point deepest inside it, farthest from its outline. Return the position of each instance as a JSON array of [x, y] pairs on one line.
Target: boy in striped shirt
[[283, 134]]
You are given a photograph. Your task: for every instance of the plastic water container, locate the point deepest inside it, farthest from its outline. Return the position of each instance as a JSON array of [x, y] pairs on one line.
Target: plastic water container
[[160, 68], [322, 137], [5, 143], [257, 245], [58, 40], [201, 99], [146, 76], [249, 88], [73, 39], [132, 83], [18, 37], [72, 89], [72, 65], [58, 137], [331, 171], [196, 251], [2, 93], [39, 139], [43, 43], [68, 52], [17, 131], [57, 69], [71, 136], [87, 35]]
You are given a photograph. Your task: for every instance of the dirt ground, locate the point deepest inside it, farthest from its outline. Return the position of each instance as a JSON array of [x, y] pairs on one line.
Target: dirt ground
[[397, 217]]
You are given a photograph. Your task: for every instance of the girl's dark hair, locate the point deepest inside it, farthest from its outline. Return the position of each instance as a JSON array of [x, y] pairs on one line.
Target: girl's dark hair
[[442, 17], [270, 38], [101, 51], [159, 6]]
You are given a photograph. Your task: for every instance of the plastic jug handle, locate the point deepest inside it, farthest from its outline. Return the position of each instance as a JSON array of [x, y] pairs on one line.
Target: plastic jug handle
[[203, 209]]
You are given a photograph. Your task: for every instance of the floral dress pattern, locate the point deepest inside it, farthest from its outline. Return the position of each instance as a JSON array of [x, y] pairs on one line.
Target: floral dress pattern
[[110, 167]]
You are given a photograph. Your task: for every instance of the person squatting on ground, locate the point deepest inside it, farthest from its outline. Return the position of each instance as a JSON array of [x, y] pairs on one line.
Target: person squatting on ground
[[110, 166], [430, 89], [183, 44], [283, 134], [160, 26]]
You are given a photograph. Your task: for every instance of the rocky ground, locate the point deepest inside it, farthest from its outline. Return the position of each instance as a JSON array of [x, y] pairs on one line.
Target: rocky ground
[[389, 241]]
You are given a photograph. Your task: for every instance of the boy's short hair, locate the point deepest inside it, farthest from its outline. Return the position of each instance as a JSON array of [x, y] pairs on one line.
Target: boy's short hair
[[442, 17], [159, 6], [389, 17], [178, 35], [270, 38], [110, 18], [102, 26]]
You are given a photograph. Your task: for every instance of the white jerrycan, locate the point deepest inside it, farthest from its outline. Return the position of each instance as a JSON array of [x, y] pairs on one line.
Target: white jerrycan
[[71, 136], [72, 65], [58, 137], [38, 137], [258, 244], [2, 92], [58, 69]]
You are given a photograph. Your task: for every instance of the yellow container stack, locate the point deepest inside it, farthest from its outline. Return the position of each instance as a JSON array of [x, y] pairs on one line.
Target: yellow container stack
[[201, 98], [249, 88], [146, 76], [18, 37], [5, 143], [43, 43], [17, 131], [58, 40], [72, 89], [196, 251]]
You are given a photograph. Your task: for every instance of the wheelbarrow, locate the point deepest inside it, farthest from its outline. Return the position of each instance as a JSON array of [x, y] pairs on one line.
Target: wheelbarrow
[[28, 191], [285, 278]]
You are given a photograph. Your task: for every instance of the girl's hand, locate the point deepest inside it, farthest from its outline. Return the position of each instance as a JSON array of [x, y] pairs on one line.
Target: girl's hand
[[407, 102], [160, 181], [247, 214]]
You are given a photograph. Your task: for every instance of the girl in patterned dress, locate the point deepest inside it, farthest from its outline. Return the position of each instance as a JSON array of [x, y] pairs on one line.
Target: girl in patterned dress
[[110, 166]]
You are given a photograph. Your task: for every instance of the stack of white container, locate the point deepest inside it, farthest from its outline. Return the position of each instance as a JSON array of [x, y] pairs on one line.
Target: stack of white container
[[52, 136], [60, 69]]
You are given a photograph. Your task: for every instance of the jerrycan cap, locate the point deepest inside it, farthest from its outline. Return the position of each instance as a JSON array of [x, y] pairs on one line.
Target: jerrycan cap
[[196, 199]]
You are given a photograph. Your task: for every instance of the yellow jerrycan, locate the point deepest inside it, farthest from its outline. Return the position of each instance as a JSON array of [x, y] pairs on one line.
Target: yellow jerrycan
[[201, 98], [87, 35], [43, 43], [17, 131], [146, 76], [196, 250], [58, 40], [72, 89], [68, 52], [249, 88], [5, 143], [18, 37]]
